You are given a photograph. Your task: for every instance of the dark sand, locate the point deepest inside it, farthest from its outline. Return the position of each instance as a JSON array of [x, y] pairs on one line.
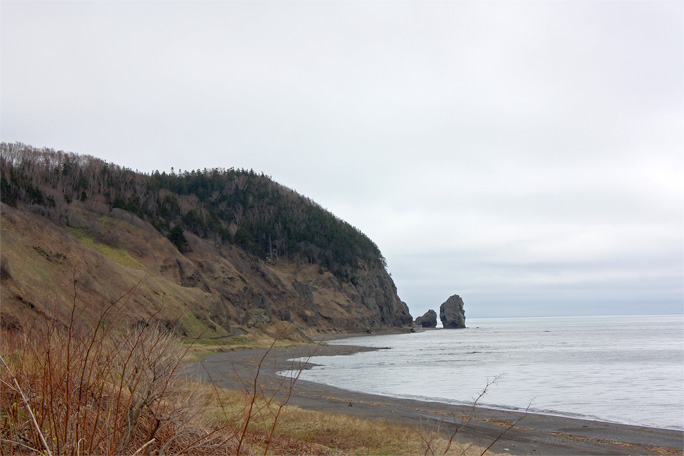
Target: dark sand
[[533, 435]]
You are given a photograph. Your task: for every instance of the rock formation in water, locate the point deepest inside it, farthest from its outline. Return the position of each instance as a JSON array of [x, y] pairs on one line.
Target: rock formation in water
[[452, 314], [428, 320]]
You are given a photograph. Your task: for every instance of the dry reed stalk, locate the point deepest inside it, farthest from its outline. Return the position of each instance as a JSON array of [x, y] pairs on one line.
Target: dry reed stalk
[[96, 389], [28, 407]]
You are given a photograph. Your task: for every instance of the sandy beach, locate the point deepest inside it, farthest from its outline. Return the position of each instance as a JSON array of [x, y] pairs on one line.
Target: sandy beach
[[534, 434]]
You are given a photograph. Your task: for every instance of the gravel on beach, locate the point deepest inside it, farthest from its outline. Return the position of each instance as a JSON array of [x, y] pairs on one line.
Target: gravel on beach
[[533, 434]]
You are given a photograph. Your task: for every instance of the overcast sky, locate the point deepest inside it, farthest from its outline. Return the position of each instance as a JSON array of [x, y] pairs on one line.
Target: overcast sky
[[526, 155]]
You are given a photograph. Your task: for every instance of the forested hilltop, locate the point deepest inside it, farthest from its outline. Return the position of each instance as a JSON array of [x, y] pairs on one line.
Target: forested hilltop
[[242, 207], [226, 211]]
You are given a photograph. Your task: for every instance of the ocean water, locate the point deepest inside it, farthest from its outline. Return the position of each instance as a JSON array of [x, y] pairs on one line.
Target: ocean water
[[625, 369]]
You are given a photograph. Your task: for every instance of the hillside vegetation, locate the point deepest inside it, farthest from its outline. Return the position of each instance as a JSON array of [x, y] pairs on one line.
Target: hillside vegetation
[[233, 206], [210, 251], [96, 388]]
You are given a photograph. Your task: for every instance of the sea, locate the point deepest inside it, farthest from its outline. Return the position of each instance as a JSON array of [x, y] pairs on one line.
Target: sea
[[623, 369]]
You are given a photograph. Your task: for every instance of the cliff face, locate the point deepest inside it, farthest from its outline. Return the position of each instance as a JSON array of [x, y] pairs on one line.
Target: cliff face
[[214, 288], [54, 255]]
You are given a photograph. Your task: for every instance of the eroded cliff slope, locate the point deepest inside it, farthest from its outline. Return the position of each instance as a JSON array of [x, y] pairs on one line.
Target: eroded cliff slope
[[254, 255]]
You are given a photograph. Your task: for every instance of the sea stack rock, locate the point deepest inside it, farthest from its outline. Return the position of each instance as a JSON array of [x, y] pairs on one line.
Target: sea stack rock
[[428, 320], [452, 314]]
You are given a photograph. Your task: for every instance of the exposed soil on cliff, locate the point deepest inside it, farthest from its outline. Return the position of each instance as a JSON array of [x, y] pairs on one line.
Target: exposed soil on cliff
[[212, 291]]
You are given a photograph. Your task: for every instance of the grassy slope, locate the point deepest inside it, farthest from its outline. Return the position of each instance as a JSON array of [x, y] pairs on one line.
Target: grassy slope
[[212, 292], [48, 264]]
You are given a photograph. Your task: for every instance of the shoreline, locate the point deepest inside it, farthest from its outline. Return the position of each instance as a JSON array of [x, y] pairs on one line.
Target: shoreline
[[535, 433]]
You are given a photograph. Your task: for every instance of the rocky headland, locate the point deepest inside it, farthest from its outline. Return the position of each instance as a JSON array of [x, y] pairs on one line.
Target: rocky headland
[[215, 252]]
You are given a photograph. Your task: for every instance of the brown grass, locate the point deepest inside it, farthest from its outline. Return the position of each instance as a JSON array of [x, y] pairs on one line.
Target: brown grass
[[326, 433], [80, 390], [359, 436], [131, 399], [85, 386]]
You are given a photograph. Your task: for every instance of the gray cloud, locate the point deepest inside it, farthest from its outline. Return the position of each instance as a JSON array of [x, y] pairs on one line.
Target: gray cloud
[[526, 155]]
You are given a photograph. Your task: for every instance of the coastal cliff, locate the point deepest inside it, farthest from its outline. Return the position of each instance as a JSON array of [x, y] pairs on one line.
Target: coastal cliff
[[216, 252]]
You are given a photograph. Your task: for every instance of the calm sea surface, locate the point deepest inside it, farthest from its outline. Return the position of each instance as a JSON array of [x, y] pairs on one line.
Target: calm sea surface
[[626, 369]]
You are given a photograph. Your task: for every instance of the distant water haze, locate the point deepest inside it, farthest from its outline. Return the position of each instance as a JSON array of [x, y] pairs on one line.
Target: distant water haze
[[624, 369]]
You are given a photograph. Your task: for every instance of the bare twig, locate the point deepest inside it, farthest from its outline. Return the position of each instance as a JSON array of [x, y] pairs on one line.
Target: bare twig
[[12, 442], [143, 447], [427, 441], [28, 407], [508, 428], [466, 419], [288, 396], [255, 389]]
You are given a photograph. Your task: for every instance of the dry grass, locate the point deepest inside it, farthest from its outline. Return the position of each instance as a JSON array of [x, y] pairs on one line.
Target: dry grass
[[68, 391], [73, 391], [85, 386], [359, 436], [325, 433]]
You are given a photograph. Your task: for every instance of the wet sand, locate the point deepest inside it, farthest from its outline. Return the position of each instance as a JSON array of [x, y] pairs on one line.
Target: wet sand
[[534, 434]]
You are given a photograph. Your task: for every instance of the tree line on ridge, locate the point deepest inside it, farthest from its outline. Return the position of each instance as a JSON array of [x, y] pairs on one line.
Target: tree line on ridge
[[232, 206]]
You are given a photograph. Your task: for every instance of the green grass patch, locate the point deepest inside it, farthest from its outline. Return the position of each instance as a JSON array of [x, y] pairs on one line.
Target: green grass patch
[[228, 341], [118, 255]]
